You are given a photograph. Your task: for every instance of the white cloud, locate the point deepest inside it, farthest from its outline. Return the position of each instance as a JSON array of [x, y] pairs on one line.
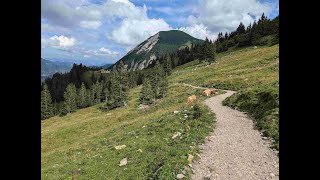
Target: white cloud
[[198, 31], [58, 42], [90, 24], [134, 31], [100, 52], [219, 15]]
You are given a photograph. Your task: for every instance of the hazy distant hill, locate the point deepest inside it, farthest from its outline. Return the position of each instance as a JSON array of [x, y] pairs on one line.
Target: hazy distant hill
[[48, 68]]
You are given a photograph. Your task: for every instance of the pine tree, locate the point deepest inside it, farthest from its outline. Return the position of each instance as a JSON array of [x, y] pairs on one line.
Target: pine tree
[[241, 29], [119, 87], [211, 54], [46, 103], [89, 99], [70, 98], [147, 95], [167, 65], [157, 77], [98, 92], [164, 86], [82, 96]]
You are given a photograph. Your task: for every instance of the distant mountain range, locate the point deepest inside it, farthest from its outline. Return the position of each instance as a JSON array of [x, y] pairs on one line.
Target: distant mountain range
[[161, 43], [48, 68]]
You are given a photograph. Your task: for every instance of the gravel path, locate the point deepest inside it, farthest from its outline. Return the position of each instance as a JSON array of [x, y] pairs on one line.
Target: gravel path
[[234, 150]]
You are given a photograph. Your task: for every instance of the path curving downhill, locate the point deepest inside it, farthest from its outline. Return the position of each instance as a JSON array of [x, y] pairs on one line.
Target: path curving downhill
[[235, 150]]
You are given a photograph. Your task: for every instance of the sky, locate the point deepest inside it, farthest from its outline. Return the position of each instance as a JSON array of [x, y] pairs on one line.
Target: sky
[[102, 31]]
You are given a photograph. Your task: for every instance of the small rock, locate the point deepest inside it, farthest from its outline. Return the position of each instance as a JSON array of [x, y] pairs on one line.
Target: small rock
[[186, 116], [140, 150], [272, 175], [175, 112], [264, 138], [199, 155], [108, 114], [185, 110], [120, 146], [176, 134], [144, 126], [123, 162], [190, 165], [180, 176], [190, 157], [207, 177]]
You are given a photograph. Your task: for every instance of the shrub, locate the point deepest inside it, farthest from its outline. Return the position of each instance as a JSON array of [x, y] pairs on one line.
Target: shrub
[[196, 111]]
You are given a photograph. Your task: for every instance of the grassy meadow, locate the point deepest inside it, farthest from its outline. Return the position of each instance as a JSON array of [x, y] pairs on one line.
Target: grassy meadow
[[82, 144]]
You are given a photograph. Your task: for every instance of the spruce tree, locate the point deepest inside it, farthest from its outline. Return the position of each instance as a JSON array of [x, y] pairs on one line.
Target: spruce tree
[[119, 87], [82, 96], [147, 95], [70, 96], [167, 65], [164, 86], [46, 103], [157, 77], [98, 91], [89, 99], [211, 54]]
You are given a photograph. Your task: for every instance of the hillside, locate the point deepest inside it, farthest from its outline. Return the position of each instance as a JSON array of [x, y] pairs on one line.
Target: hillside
[[48, 68], [162, 42], [106, 66], [150, 148]]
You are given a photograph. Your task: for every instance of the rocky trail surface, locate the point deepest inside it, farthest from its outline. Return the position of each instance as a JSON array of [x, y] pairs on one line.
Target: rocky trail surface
[[235, 150]]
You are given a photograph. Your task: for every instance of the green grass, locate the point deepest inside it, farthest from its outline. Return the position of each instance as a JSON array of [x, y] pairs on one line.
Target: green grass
[[233, 70], [82, 143]]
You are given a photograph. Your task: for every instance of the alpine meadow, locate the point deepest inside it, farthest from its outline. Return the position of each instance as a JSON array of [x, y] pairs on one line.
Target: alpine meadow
[[177, 90]]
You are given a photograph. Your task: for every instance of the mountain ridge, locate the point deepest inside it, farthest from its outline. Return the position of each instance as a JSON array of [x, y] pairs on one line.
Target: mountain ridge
[[141, 56]]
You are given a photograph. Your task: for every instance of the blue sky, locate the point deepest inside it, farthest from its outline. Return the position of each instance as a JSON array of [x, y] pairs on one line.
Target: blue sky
[[102, 31]]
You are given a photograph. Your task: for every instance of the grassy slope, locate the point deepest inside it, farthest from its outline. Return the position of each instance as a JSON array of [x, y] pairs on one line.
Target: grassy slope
[[234, 70], [254, 73], [82, 143]]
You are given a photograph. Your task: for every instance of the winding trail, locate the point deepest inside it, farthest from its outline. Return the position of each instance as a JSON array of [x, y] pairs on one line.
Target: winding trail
[[235, 150]]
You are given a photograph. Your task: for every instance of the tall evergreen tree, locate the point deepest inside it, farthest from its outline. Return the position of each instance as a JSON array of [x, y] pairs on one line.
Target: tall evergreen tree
[[211, 54], [82, 96], [46, 103], [163, 86], [98, 92], [157, 77], [119, 87], [147, 94], [70, 96], [167, 65]]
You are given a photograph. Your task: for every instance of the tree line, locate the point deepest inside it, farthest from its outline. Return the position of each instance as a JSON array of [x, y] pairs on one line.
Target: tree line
[[258, 33], [85, 86]]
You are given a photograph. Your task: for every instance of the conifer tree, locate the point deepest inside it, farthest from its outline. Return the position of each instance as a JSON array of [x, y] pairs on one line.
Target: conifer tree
[[89, 99], [157, 77], [147, 95], [46, 103], [70, 98], [211, 54], [119, 86], [98, 92], [167, 65], [163, 86], [82, 96]]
